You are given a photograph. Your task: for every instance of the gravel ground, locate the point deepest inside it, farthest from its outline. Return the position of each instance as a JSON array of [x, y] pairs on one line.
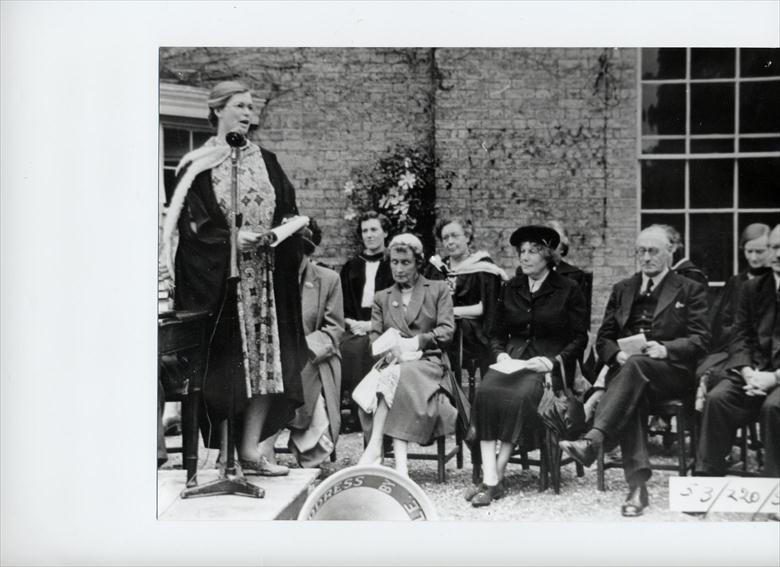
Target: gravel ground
[[579, 499]]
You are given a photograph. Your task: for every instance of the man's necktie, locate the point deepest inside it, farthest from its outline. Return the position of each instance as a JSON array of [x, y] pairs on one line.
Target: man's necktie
[[649, 288]]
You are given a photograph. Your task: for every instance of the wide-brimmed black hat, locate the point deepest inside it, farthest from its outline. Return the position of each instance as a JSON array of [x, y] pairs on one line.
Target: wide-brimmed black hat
[[535, 233]]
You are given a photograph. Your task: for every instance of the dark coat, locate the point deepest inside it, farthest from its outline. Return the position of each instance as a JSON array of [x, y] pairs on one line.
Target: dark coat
[[353, 279], [754, 328], [584, 280], [679, 320], [202, 267], [551, 323]]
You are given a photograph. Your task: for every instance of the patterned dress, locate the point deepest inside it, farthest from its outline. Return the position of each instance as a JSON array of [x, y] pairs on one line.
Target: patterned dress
[[256, 310]]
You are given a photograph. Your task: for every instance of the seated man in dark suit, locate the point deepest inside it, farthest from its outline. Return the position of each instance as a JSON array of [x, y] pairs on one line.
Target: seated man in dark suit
[[751, 388], [671, 311]]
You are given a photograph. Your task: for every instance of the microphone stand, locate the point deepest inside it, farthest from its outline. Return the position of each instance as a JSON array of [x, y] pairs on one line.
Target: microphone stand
[[230, 482]]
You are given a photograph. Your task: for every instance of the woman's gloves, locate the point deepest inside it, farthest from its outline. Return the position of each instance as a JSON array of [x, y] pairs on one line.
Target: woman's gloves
[[535, 364]]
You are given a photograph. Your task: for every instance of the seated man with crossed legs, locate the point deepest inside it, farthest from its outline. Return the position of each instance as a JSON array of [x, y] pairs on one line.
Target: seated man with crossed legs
[[671, 311]]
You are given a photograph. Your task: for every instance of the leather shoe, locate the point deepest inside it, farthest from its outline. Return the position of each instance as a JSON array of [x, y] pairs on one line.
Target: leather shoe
[[584, 451], [264, 467], [473, 490], [636, 502], [487, 494]]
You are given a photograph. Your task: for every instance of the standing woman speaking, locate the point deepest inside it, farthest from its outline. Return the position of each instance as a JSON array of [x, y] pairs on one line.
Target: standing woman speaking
[[253, 361]]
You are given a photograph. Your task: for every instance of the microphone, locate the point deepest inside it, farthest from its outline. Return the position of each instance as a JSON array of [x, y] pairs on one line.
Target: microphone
[[235, 140]]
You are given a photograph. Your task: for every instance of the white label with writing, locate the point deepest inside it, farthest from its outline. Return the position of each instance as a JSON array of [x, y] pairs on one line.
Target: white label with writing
[[724, 494]]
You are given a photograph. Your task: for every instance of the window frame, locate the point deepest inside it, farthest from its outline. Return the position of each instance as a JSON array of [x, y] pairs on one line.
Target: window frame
[[687, 155]]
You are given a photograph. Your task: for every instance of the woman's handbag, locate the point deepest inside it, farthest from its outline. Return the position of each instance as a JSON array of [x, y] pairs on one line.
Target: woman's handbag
[[562, 413]]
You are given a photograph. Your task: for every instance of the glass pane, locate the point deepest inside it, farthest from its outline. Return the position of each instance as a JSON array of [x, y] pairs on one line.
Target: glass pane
[[712, 108], [759, 62], [744, 219], [712, 241], [177, 143], [759, 183], [169, 178], [759, 144], [663, 63], [712, 63], [199, 138], [759, 107], [663, 184], [713, 146], [712, 183], [663, 146], [663, 109]]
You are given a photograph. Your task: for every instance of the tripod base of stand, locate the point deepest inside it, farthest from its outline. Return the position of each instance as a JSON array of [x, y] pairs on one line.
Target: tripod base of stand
[[228, 484]]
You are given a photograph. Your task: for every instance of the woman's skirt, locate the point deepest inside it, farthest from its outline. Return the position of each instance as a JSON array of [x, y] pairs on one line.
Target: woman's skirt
[[505, 405], [419, 408]]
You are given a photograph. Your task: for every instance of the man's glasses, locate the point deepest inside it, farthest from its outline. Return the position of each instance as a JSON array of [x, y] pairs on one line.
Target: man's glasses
[[652, 251]]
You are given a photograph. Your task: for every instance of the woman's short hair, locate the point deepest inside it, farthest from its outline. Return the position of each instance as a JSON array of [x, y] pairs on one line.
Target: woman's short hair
[[753, 231], [220, 95], [561, 230], [384, 222], [407, 242], [468, 228]]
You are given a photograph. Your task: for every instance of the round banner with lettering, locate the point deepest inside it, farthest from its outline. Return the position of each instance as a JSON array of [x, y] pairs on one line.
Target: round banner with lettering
[[365, 493]]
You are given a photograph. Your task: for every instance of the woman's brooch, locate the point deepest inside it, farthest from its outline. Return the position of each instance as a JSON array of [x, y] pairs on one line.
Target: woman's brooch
[[395, 304]]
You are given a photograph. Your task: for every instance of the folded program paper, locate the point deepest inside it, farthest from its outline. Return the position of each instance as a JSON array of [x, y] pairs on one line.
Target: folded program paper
[[509, 365], [635, 344]]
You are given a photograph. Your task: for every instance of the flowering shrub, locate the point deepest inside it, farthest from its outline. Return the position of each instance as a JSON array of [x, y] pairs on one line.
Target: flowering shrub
[[401, 186]]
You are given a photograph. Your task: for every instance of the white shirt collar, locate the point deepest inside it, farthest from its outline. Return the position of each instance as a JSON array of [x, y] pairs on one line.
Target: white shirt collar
[[657, 279], [777, 279]]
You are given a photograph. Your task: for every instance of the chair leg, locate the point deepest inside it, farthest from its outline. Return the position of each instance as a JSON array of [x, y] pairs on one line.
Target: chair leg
[[333, 455], [580, 469], [682, 456], [555, 460], [476, 462], [600, 484], [544, 467], [743, 446], [459, 444], [441, 475], [524, 459]]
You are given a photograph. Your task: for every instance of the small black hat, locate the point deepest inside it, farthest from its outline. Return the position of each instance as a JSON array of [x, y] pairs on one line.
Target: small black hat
[[311, 236], [535, 233]]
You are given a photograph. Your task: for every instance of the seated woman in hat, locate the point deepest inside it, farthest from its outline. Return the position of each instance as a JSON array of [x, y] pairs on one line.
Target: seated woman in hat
[[412, 394], [540, 319]]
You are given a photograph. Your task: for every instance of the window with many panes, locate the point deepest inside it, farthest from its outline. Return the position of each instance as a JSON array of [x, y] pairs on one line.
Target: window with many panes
[[709, 147]]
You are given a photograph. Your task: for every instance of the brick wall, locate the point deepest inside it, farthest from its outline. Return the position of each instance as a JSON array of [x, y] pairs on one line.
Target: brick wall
[[326, 112], [522, 134]]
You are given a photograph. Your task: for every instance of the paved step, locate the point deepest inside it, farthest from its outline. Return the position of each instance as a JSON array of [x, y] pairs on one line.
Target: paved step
[[284, 496]]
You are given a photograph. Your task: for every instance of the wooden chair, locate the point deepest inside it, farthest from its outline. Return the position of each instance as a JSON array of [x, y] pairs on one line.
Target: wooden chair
[[549, 462], [442, 455], [682, 411], [747, 439]]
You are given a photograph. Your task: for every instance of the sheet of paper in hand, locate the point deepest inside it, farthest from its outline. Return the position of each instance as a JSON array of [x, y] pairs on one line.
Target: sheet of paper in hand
[[509, 365], [286, 230], [386, 342], [632, 345]]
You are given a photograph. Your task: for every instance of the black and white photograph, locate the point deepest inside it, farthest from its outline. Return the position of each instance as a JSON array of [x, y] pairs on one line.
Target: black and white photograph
[[501, 287]]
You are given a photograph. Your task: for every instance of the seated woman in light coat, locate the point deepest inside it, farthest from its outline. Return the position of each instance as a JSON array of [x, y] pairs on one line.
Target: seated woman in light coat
[[414, 395], [315, 429]]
